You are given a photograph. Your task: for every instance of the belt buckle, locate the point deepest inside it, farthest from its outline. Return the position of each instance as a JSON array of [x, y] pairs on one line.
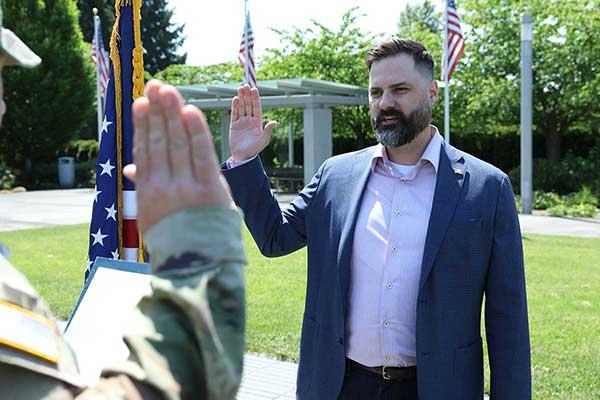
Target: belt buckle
[[385, 374]]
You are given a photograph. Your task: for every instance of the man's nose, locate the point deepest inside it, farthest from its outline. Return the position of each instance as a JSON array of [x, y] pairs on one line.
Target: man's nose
[[387, 101]]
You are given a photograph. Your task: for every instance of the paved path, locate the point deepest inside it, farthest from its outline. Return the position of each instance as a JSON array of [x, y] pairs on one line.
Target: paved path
[[264, 378], [66, 207]]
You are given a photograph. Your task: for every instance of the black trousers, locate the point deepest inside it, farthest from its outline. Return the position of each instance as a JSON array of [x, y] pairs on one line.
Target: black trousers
[[360, 384]]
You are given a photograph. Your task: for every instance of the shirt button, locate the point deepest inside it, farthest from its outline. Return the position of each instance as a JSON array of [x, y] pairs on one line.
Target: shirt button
[[389, 286], [398, 212], [386, 323], [394, 248], [387, 358]]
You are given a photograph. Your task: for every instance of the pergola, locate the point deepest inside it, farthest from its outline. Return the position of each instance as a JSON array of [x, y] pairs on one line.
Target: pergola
[[315, 96]]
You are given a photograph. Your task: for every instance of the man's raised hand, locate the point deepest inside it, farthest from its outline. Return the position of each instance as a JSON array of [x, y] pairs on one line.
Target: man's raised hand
[[176, 166], [247, 137]]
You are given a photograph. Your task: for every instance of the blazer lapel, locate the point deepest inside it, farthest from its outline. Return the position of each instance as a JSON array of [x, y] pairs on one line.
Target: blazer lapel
[[353, 190], [450, 178]]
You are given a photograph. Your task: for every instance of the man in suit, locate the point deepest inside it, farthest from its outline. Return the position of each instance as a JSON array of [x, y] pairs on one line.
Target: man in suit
[[404, 240]]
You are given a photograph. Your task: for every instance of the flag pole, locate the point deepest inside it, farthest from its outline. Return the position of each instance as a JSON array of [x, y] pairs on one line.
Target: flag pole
[[98, 95], [446, 80], [246, 61]]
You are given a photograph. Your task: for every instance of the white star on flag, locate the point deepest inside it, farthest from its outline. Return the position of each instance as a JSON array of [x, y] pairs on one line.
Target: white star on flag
[[106, 168], [98, 238], [111, 212], [115, 254], [105, 124], [96, 193], [89, 264]]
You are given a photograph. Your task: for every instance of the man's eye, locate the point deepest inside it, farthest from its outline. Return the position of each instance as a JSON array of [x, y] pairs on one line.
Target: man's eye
[[401, 90], [375, 94]]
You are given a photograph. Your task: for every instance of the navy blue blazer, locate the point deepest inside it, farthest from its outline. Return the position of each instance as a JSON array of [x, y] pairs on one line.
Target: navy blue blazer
[[473, 248]]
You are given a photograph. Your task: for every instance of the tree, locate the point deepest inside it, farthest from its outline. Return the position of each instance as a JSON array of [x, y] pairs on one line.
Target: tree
[[323, 53], [566, 80], [161, 38], [49, 104], [190, 75]]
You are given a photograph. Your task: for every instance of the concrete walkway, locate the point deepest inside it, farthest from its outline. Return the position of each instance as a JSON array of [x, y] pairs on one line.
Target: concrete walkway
[[264, 378]]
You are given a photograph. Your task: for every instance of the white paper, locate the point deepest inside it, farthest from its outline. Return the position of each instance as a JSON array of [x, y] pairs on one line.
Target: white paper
[[95, 331]]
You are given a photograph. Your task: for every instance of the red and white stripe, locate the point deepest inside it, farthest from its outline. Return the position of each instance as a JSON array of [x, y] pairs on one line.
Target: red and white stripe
[[131, 240], [455, 44], [100, 58], [246, 54]]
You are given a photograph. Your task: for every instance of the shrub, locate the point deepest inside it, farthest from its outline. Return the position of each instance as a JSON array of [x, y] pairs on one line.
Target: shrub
[[566, 176], [584, 196], [544, 200], [7, 177], [577, 210], [82, 150]]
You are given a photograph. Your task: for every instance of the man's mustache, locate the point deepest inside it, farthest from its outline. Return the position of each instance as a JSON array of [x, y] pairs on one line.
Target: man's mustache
[[389, 113]]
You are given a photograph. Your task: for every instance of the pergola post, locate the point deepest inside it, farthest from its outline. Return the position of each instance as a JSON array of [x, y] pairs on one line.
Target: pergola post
[[225, 150], [317, 138]]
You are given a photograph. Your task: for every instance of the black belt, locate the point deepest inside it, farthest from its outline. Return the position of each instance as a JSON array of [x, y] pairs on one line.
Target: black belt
[[402, 374]]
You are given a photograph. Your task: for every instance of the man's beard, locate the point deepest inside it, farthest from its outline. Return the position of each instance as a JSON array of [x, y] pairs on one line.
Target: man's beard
[[406, 128]]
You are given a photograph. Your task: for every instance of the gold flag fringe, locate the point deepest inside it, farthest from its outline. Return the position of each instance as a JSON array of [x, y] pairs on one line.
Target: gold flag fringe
[[138, 91]]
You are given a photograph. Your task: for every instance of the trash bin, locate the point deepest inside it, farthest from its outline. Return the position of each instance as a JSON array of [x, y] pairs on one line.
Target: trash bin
[[66, 171]]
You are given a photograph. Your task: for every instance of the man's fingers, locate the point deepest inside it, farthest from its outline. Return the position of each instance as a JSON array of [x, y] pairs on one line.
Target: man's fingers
[[242, 102], [255, 101], [141, 110], [130, 171], [158, 164], [204, 159], [269, 129], [247, 101], [178, 144], [235, 109]]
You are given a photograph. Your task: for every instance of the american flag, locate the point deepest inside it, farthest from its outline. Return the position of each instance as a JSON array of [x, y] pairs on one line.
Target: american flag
[[100, 57], [247, 60], [113, 228], [455, 44]]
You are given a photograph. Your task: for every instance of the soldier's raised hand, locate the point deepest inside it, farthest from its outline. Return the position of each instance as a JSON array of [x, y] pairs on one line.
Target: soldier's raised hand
[[175, 162], [247, 137]]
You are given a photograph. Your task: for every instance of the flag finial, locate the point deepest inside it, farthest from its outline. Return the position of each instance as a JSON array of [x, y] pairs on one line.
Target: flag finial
[[95, 11]]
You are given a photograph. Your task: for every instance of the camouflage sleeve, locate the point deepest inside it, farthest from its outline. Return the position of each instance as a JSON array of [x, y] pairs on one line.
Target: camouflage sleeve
[[187, 338]]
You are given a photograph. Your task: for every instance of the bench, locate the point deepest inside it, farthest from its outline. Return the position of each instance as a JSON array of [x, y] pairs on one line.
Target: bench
[[292, 177]]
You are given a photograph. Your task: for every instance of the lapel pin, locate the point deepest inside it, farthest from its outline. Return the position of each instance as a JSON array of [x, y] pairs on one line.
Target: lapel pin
[[458, 171]]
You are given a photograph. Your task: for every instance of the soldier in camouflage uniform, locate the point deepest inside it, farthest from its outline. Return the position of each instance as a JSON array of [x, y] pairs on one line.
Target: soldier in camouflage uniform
[[186, 340]]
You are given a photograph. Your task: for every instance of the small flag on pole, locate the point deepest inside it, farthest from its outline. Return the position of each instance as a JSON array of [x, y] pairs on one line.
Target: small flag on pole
[[454, 44], [100, 57], [113, 229], [246, 53]]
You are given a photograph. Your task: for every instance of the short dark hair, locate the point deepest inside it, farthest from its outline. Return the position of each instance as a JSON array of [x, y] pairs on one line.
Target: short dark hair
[[423, 59]]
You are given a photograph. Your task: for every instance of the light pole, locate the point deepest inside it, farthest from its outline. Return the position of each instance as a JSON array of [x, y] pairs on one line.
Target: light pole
[[526, 118]]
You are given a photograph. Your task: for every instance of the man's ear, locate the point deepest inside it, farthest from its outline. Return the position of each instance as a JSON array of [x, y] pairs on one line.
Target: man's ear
[[433, 91]]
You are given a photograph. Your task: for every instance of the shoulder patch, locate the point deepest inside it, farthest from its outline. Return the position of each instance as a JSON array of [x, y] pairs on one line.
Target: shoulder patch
[[28, 332]]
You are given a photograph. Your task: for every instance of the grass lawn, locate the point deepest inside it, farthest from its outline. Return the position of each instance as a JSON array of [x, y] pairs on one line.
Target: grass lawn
[[563, 283]]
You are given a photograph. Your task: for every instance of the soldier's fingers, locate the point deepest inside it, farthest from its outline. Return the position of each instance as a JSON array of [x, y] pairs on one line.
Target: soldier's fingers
[[204, 159], [178, 149], [247, 101], [235, 109], [242, 102], [256, 107], [158, 164], [141, 155]]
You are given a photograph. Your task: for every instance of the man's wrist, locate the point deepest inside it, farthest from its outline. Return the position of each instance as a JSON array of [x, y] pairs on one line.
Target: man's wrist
[[232, 162]]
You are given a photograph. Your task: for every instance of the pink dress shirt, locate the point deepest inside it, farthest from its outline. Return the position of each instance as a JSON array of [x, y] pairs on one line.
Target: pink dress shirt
[[387, 253]]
